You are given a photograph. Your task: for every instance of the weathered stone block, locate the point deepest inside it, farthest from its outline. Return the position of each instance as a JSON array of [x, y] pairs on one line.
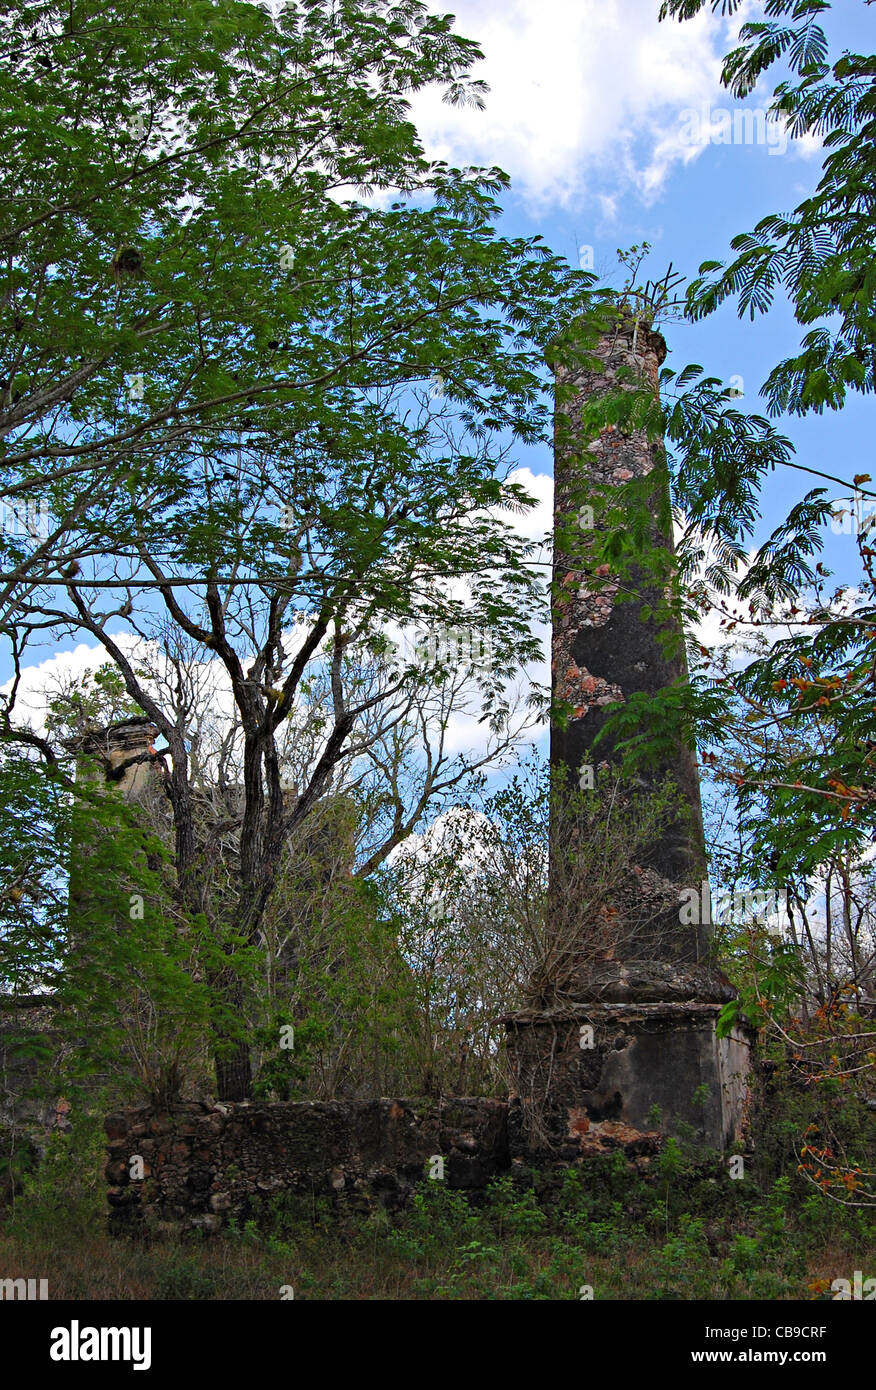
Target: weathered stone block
[[649, 1067]]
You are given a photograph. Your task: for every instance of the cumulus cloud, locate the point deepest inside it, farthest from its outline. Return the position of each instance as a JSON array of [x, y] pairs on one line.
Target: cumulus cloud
[[42, 680], [586, 97], [577, 91]]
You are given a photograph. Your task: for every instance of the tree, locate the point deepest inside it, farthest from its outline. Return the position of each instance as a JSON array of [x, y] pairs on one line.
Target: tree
[[821, 253], [789, 729], [818, 676], [205, 327], [506, 902], [161, 172]]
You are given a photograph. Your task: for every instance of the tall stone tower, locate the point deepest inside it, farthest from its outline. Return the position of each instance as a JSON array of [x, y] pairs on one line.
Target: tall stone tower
[[120, 757], [635, 1035]]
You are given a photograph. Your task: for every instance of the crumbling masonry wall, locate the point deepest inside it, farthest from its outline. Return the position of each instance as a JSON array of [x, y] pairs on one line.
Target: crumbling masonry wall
[[203, 1164]]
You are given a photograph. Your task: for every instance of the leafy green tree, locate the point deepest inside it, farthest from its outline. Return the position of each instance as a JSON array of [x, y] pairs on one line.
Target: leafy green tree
[[821, 254], [786, 722], [97, 965], [803, 706], [132, 983], [34, 829], [266, 362]]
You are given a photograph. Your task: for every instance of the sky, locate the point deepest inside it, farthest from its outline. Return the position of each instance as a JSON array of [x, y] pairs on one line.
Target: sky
[[615, 130]]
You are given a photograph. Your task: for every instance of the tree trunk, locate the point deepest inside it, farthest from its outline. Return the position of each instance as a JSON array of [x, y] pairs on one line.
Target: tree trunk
[[231, 1032], [234, 1073]]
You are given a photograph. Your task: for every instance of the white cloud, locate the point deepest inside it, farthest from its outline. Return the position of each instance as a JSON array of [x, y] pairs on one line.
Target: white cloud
[[587, 98], [581, 90], [41, 681]]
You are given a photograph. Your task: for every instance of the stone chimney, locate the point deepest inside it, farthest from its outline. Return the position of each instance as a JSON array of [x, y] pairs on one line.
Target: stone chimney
[[639, 1035], [608, 646], [111, 753], [110, 749]]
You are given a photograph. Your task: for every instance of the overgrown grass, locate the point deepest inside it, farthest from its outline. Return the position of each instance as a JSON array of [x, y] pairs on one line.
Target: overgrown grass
[[688, 1232]]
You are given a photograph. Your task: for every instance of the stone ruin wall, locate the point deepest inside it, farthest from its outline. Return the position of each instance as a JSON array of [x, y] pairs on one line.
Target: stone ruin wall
[[205, 1164]]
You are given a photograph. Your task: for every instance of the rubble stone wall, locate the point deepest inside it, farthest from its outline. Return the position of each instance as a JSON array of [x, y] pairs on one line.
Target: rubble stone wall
[[201, 1165]]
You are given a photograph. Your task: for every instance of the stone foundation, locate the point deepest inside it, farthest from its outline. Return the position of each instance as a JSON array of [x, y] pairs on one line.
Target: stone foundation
[[642, 1066], [202, 1165], [197, 1166]]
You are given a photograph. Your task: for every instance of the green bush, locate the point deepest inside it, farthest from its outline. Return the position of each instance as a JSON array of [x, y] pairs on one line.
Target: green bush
[[66, 1188]]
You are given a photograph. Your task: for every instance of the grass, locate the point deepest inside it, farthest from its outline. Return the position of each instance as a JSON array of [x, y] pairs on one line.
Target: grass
[[687, 1233]]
